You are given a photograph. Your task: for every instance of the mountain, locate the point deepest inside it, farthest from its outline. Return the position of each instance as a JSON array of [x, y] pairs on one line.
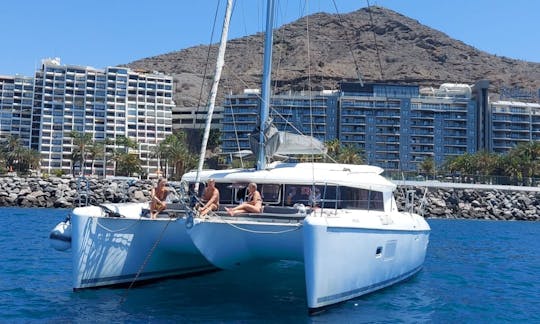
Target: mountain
[[394, 48]]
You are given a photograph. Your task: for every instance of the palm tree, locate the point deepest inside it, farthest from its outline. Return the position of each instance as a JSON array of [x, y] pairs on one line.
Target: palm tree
[[485, 162], [10, 147], [528, 157], [128, 164], [95, 151], [350, 154], [124, 164], [464, 164], [79, 154], [510, 165], [30, 160], [427, 166], [2, 159], [175, 151], [214, 138], [18, 157], [333, 147]]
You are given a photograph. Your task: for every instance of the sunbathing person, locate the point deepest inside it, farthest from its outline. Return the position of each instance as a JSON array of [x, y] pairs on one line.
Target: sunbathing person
[[253, 202], [210, 198], [158, 196]]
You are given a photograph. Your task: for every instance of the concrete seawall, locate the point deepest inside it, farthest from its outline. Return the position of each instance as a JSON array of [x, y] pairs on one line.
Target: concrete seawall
[[442, 200]]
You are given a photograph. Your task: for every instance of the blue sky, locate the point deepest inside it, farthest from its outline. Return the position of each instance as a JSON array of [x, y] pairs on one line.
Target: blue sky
[[104, 33]]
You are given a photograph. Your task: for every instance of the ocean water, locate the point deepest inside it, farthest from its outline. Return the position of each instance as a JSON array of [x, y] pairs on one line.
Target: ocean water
[[475, 272]]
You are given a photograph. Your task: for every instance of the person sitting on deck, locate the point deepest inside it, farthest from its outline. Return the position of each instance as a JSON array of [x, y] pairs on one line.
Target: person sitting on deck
[[210, 198], [158, 196], [253, 202]]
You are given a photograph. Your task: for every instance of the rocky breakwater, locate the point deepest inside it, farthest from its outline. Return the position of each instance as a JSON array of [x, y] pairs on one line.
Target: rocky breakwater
[[67, 192], [473, 203]]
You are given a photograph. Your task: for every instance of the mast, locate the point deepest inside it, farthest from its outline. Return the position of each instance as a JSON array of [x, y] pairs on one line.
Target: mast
[[220, 61], [265, 91]]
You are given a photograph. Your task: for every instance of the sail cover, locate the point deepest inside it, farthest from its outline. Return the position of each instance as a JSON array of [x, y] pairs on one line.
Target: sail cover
[[279, 143]]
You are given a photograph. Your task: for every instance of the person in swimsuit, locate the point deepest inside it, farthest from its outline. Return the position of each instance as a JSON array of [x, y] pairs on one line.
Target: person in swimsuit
[[158, 196], [253, 202], [210, 198]]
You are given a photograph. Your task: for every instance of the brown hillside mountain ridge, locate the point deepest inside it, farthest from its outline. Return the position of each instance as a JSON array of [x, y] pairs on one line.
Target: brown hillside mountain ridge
[[409, 53]]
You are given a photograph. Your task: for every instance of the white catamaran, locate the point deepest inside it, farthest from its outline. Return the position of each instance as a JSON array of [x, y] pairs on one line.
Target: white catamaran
[[340, 220]]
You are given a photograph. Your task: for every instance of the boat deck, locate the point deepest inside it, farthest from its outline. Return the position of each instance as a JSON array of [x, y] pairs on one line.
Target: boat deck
[[270, 213], [275, 214]]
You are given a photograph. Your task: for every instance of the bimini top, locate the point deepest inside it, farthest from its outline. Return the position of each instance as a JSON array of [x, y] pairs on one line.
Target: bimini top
[[357, 176]]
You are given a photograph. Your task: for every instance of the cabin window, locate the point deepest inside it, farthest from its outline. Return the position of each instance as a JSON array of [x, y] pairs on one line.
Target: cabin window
[[240, 194], [231, 193], [309, 195], [225, 193], [192, 188], [270, 193], [356, 198], [296, 194]]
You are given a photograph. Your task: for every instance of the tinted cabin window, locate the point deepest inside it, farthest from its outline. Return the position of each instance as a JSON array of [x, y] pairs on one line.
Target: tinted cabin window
[[270, 193], [241, 194], [225, 193], [297, 194], [376, 201], [325, 196], [355, 198], [318, 195], [201, 188]]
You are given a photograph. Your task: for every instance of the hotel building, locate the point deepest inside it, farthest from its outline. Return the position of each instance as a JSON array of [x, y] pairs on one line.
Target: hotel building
[[107, 103], [16, 102], [513, 123], [396, 126]]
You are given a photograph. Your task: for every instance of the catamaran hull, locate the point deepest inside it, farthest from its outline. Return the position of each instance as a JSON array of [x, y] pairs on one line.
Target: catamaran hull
[[344, 257], [113, 251], [235, 244], [344, 262]]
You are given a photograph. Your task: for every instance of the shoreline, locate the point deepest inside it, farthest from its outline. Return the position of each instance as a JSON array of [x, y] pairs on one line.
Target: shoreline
[[442, 200]]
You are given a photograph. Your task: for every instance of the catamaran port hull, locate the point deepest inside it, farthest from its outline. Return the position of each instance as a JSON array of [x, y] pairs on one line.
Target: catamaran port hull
[[109, 251]]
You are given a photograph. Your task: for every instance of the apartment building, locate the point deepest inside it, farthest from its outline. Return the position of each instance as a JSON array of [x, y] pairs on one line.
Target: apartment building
[[513, 123], [106, 103], [397, 126], [16, 99]]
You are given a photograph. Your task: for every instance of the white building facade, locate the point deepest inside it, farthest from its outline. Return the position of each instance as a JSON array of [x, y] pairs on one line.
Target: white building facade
[[16, 101], [106, 103]]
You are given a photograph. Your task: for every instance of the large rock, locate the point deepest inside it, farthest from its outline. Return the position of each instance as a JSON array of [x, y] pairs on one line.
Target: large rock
[[62, 203]]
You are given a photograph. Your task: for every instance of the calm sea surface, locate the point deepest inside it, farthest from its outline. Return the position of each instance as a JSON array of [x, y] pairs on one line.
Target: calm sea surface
[[475, 272]]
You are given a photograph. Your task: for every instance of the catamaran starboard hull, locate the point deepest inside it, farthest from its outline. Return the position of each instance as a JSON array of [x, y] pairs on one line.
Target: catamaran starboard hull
[[109, 251], [344, 262]]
